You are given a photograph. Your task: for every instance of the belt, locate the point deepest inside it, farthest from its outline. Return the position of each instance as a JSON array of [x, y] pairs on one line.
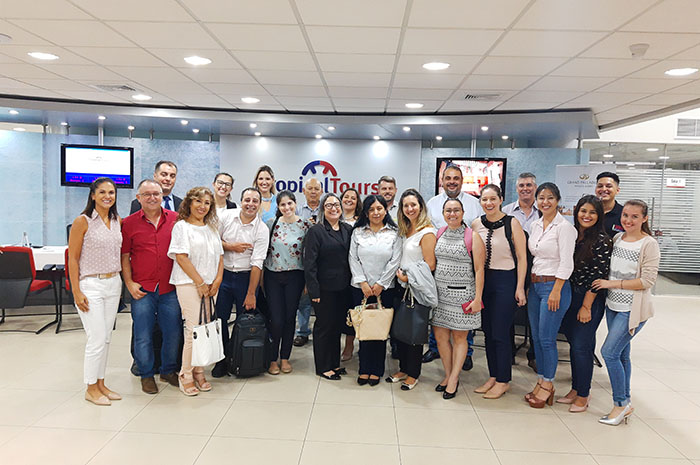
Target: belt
[[102, 275], [542, 279]]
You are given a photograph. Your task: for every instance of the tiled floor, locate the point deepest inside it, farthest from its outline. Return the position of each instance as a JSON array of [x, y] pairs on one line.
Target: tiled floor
[[299, 419]]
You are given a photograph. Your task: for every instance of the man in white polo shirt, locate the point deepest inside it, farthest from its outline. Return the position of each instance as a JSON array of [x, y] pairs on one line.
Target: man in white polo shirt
[[245, 239]]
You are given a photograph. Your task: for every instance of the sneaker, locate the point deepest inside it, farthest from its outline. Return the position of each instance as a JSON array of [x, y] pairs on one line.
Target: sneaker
[[149, 386], [300, 341], [170, 378]]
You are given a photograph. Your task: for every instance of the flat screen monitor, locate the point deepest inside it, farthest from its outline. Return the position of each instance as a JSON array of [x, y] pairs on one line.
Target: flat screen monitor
[[477, 172], [82, 164]]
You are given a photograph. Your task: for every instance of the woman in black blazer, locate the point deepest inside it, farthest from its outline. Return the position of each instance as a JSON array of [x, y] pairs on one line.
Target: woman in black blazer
[[327, 273]]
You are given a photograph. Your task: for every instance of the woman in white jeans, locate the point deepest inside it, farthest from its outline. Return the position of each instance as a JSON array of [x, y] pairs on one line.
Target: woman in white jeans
[[94, 264]]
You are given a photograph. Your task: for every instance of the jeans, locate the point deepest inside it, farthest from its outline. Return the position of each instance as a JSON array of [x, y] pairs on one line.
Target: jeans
[[432, 343], [283, 289], [103, 299], [144, 312], [372, 354], [581, 337], [497, 321], [304, 315], [232, 291], [545, 325], [616, 352]]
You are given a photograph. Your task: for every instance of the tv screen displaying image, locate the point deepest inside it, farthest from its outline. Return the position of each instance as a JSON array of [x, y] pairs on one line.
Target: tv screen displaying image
[[477, 172], [82, 164]]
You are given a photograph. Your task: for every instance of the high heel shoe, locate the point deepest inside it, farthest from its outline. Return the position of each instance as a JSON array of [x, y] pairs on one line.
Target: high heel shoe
[[201, 382], [536, 402], [573, 408], [450, 395], [440, 388], [188, 391], [373, 381], [622, 416], [530, 394]]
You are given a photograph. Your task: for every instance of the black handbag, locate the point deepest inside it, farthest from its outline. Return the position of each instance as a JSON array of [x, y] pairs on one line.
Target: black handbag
[[410, 324]]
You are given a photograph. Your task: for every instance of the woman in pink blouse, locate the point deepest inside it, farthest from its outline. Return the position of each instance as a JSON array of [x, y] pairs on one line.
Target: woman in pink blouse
[[552, 242]]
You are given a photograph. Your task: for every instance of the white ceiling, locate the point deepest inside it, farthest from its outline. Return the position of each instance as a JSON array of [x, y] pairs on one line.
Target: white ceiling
[[360, 56]]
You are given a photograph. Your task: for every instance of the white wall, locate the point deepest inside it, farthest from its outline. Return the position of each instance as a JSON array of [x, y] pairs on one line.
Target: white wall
[[657, 131]]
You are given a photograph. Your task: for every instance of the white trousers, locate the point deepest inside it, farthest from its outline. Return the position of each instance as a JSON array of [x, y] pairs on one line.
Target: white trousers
[[103, 300]]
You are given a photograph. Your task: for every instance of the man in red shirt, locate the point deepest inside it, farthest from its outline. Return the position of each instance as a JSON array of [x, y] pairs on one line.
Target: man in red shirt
[[146, 271]]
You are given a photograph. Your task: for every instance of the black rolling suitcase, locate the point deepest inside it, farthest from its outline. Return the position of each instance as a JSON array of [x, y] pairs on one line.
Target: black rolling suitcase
[[250, 345]]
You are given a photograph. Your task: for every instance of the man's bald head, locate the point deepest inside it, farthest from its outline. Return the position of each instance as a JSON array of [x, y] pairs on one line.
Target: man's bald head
[[312, 191]]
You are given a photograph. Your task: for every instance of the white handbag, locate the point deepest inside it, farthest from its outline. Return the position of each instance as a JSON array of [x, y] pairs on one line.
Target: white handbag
[[371, 322], [207, 345]]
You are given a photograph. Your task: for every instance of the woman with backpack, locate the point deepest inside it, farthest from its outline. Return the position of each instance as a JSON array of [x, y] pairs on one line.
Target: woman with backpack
[[505, 265], [460, 283]]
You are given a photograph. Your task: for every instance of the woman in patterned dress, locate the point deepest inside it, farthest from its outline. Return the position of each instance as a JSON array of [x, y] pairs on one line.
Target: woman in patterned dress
[[460, 285]]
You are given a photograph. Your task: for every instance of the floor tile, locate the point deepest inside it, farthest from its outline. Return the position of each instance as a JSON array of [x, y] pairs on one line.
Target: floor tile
[[250, 451], [678, 380], [419, 455], [683, 435], [264, 420], [440, 428], [507, 457], [20, 407], [41, 446], [9, 432], [348, 392], [424, 396], [299, 387], [322, 453], [617, 460], [352, 423], [222, 388], [669, 406], [150, 449], [62, 378], [184, 415], [525, 432]]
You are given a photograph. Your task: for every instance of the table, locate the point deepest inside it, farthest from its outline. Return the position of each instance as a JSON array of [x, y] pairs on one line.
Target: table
[[49, 255]]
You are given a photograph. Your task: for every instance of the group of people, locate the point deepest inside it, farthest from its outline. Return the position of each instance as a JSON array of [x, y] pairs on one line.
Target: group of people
[[466, 258]]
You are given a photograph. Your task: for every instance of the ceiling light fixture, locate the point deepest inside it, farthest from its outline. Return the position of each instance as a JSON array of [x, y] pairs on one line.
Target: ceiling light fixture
[[184, 122], [331, 128], [253, 125], [141, 97], [131, 128], [681, 71], [406, 129], [414, 105], [250, 100], [13, 112], [195, 130], [436, 66], [376, 137], [652, 149], [257, 134], [64, 123], [664, 157], [318, 136], [484, 128], [43, 56], [504, 137], [438, 138], [608, 155], [101, 117], [197, 61], [19, 129]]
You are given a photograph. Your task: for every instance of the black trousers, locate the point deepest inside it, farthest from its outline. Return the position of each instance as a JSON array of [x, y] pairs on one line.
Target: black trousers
[[410, 358], [331, 313], [372, 354], [283, 290], [497, 320]]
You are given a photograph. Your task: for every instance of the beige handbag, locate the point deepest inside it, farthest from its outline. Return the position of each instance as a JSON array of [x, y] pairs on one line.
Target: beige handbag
[[371, 322]]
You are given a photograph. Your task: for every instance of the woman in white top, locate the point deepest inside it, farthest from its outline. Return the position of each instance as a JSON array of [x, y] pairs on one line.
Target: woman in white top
[[419, 238], [552, 243], [223, 185], [197, 273], [633, 269]]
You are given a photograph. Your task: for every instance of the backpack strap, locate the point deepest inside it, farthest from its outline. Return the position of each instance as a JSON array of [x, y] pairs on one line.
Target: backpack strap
[[467, 237], [440, 232], [509, 235]]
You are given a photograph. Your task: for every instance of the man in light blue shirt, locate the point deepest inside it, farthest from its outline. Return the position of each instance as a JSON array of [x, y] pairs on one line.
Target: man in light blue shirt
[[524, 209]]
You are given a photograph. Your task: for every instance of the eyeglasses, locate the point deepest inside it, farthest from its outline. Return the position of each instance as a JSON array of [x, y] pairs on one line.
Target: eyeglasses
[[331, 206], [450, 212], [151, 194], [224, 184]]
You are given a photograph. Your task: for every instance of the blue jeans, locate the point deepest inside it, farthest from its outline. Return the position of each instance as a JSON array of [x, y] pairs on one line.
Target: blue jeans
[[432, 343], [304, 315], [144, 312], [581, 337], [616, 352], [545, 325], [232, 291]]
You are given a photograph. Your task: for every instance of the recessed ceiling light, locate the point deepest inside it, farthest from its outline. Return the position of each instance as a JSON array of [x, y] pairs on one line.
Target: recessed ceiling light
[[331, 128], [376, 137], [184, 122], [250, 100], [43, 56], [141, 97], [101, 117], [64, 123], [504, 137], [414, 105], [130, 128], [318, 136], [253, 125], [406, 129], [13, 112], [681, 71], [19, 129], [197, 61], [258, 134], [652, 149], [438, 137], [608, 155], [663, 157], [484, 128], [436, 66], [195, 130]]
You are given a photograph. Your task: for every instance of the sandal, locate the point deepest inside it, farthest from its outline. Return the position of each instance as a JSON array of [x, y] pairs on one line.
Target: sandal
[[201, 382], [188, 389], [536, 402]]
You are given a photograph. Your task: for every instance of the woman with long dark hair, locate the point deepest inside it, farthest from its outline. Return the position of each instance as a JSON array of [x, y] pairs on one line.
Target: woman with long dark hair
[[94, 259], [375, 253], [284, 278], [591, 262], [634, 267]]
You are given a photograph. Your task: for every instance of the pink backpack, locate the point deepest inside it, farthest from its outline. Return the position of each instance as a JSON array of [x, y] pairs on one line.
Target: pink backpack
[[467, 237]]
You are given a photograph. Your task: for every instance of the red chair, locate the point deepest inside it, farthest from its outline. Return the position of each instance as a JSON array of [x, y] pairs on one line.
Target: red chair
[[18, 280]]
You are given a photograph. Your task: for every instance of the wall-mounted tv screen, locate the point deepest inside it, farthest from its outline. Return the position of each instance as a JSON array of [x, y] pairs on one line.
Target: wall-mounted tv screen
[[82, 164], [477, 172]]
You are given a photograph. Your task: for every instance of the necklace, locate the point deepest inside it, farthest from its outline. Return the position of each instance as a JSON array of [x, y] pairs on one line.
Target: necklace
[[269, 199]]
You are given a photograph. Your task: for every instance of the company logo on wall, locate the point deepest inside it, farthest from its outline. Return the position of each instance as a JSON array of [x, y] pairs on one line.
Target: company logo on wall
[[329, 179]]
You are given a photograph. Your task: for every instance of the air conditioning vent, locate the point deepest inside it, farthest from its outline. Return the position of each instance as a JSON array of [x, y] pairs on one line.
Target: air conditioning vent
[[114, 88], [482, 96], [688, 128]]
